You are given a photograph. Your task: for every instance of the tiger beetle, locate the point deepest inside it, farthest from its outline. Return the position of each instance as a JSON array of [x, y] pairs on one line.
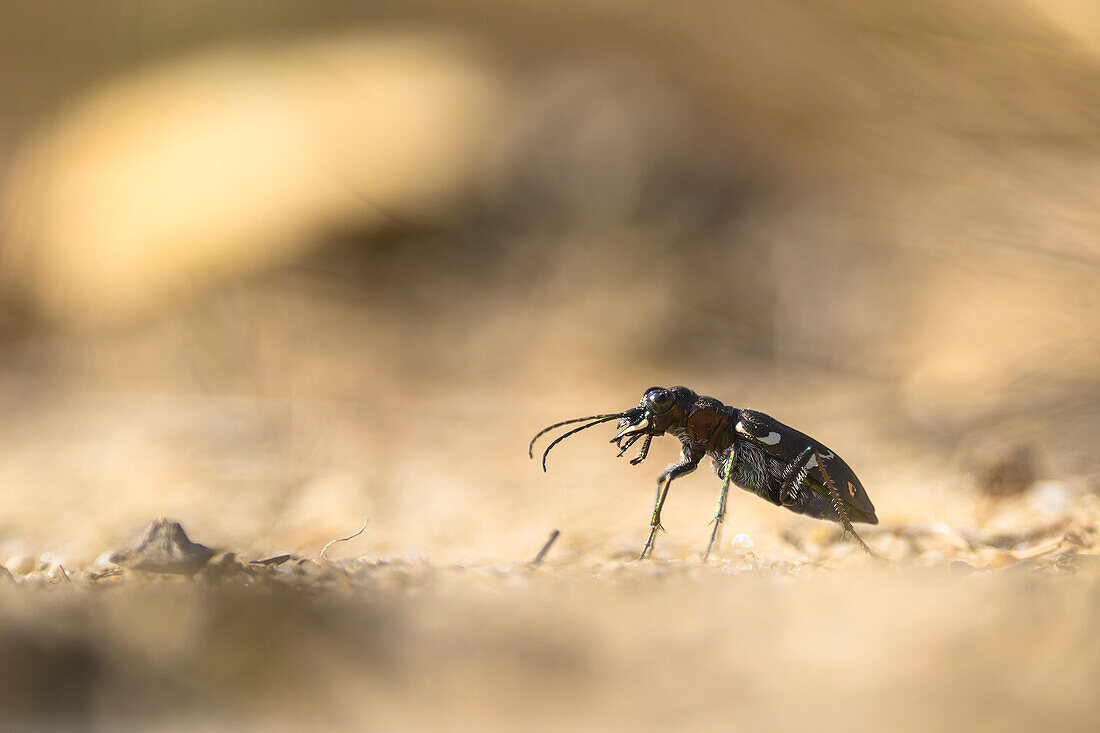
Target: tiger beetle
[[750, 449]]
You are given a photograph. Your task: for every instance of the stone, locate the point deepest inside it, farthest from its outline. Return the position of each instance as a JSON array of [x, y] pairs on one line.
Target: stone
[[164, 547]]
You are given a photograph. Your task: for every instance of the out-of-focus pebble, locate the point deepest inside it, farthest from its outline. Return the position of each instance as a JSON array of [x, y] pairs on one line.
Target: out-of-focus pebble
[[48, 561], [1025, 552], [1052, 497], [962, 568], [741, 543], [932, 557], [997, 559], [892, 546], [20, 564], [58, 574], [950, 537]]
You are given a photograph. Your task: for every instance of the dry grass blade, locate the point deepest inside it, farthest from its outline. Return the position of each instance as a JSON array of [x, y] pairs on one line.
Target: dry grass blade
[[343, 539]]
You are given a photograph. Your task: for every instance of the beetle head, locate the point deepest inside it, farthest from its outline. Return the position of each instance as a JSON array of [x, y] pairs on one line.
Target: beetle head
[[659, 410]]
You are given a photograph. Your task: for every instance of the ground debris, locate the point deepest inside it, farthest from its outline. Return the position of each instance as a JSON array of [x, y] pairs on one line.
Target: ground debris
[[275, 561], [1013, 538], [164, 547], [343, 539], [545, 549], [102, 574]]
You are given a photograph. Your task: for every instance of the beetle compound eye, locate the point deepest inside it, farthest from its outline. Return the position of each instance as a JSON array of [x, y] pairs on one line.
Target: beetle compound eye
[[659, 400]]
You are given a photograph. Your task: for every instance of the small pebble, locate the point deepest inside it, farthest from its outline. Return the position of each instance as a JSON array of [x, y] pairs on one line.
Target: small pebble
[[21, 564], [1052, 497], [58, 574], [164, 547]]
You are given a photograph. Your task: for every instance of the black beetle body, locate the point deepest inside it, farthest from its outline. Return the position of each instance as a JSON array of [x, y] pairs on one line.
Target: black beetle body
[[750, 449]]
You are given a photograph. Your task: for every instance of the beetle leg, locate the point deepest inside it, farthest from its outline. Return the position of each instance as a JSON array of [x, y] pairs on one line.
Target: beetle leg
[[655, 523], [838, 505], [720, 512], [689, 461], [790, 491]]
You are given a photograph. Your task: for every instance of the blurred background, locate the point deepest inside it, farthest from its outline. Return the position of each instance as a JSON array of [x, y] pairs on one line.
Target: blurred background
[[274, 268]]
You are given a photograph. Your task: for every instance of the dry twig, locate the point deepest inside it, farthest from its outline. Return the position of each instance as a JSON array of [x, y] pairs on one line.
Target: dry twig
[[343, 539], [545, 549]]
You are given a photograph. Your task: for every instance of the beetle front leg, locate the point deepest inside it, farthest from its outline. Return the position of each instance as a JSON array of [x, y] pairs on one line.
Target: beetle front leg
[[689, 461]]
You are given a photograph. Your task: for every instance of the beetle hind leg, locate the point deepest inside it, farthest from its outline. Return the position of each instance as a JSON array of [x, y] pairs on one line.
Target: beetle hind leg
[[838, 506]]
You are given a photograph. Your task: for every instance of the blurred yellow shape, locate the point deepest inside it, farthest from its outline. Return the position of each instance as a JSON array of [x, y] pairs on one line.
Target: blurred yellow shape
[[221, 164]]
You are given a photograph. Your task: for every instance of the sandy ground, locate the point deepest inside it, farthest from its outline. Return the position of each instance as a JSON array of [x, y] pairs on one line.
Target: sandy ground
[[752, 640]]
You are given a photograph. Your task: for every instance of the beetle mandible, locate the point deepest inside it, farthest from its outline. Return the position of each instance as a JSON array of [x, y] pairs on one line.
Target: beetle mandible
[[750, 449]]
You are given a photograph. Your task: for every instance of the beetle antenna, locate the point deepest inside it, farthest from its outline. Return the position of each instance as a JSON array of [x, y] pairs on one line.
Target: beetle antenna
[[560, 438], [547, 429]]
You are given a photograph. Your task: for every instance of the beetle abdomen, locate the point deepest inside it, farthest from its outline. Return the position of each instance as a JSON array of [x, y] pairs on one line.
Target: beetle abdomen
[[756, 472], [750, 470]]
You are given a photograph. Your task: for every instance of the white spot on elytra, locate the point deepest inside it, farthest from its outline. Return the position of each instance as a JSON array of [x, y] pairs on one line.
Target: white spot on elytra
[[771, 439], [813, 459]]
